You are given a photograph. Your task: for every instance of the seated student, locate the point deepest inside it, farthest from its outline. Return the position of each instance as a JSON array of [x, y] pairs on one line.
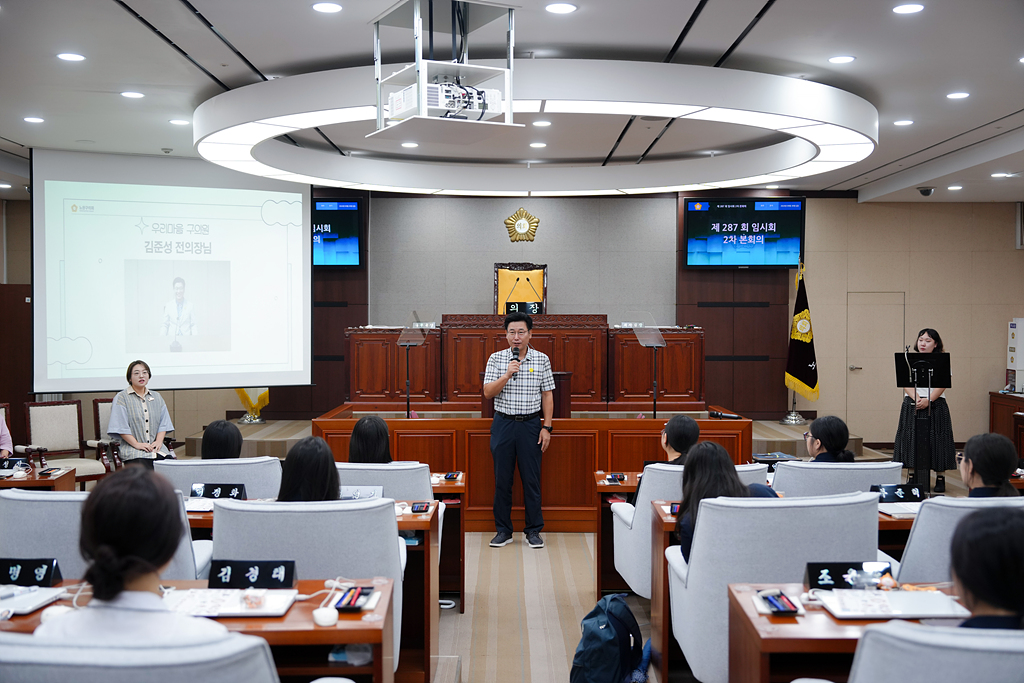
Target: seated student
[[370, 443], [308, 472], [987, 563], [131, 528], [986, 464], [710, 473], [826, 440], [678, 436], [221, 440]]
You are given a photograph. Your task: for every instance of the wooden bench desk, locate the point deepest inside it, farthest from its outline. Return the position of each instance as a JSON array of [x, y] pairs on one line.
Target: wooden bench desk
[[65, 481]]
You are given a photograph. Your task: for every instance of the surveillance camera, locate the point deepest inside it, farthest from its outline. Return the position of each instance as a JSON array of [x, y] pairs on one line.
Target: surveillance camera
[[926, 191], [166, 150]]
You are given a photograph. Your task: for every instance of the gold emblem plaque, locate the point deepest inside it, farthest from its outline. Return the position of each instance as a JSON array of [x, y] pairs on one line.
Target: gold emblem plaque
[[522, 227]]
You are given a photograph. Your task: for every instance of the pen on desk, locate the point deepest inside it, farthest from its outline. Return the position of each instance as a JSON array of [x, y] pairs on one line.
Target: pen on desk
[[775, 603], [355, 598]]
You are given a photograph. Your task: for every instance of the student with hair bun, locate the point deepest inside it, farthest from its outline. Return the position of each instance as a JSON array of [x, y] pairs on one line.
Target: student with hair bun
[[131, 528], [826, 440], [987, 562], [986, 464]]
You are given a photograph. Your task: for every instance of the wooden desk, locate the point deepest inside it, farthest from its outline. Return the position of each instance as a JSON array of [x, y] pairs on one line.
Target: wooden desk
[[65, 481], [420, 609], [662, 639], [608, 577], [452, 577], [299, 646]]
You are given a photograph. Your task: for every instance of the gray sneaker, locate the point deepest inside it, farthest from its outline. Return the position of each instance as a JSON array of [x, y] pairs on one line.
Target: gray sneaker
[[500, 539], [534, 539]]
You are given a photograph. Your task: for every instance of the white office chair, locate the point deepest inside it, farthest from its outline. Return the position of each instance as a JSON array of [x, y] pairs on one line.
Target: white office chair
[[353, 539], [631, 526], [927, 556], [193, 558], [755, 473], [760, 540], [904, 652], [261, 476], [827, 478], [40, 524], [28, 659]]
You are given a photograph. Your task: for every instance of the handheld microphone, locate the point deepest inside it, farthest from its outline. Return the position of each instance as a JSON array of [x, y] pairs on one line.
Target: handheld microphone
[[723, 416], [515, 356]]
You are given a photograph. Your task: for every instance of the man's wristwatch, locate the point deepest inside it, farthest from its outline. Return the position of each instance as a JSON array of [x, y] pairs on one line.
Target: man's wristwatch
[[550, 429]]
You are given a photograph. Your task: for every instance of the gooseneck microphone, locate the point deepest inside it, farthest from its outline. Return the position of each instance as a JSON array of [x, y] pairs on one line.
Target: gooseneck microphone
[[510, 293], [515, 356], [723, 416]]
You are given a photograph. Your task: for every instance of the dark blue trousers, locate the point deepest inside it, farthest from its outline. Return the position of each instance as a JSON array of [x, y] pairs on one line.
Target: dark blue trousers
[[511, 443]]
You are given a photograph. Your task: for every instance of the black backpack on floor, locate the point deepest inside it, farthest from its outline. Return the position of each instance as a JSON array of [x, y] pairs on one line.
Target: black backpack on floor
[[611, 647]]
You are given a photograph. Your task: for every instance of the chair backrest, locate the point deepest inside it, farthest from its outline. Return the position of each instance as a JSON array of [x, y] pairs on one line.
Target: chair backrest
[[406, 481], [760, 540], [183, 564], [39, 524], [927, 555], [261, 476], [660, 482], [27, 659], [101, 416], [828, 478], [56, 426], [904, 652], [755, 473]]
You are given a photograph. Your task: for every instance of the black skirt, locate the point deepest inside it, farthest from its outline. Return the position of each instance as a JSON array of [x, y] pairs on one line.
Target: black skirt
[[943, 451]]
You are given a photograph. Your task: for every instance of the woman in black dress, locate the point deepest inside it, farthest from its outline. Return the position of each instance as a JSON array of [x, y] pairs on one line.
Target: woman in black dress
[[943, 452]]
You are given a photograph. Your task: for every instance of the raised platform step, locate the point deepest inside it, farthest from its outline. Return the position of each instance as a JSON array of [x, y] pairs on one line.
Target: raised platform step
[[770, 436]]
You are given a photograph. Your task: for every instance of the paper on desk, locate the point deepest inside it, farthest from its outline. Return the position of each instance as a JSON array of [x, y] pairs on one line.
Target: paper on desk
[[198, 505], [227, 602], [894, 509], [667, 509]]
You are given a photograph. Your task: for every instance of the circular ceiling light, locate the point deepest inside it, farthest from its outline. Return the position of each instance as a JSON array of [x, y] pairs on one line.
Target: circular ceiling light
[[955, 187], [842, 59], [904, 122], [410, 145], [33, 119], [908, 9], [542, 124], [132, 95], [824, 129], [327, 7], [70, 57], [561, 8], [957, 95], [1000, 175], [179, 122], [538, 145]]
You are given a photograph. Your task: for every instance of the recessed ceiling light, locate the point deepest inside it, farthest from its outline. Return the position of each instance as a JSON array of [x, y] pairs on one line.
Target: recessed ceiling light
[[179, 122], [410, 145], [907, 9], [1000, 175], [327, 7], [958, 95], [904, 122], [132, 95], [561, 8], [1021, 60], [538, 145], [4, 186], [771, 187], [842, 59], [33, 119], [955, 187], [70, 57], [542, 124]]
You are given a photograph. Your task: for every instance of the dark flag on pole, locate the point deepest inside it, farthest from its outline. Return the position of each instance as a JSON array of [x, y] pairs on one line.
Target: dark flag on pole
[[802, 367]]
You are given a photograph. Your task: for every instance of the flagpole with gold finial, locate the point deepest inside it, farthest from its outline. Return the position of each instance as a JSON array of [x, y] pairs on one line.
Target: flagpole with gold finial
[[793, 417]]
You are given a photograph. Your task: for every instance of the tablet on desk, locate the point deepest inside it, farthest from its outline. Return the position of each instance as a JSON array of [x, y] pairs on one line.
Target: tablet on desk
[[228, 602], [862, 604], [30, 601]]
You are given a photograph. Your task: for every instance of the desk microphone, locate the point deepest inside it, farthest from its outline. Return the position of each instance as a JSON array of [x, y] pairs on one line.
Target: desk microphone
[[534, 289], [510, 294], [515, 356], [723, 416]]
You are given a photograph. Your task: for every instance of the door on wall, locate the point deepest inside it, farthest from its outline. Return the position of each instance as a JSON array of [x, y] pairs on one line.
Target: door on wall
[[875, 323]]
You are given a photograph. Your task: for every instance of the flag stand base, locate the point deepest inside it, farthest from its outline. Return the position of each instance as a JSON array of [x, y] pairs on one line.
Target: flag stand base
[[251, 419], [793, 418]]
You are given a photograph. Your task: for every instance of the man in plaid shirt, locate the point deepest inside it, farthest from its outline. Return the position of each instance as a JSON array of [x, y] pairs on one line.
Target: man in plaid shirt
[[522, 392]]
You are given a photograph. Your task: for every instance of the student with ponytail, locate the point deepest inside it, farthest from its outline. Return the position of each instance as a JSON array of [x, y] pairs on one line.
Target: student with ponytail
[[826, 440], [131, 528], [986, 464]]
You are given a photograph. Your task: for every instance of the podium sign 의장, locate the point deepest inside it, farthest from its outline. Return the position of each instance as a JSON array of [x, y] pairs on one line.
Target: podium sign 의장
[[923, 371], [647, 335]]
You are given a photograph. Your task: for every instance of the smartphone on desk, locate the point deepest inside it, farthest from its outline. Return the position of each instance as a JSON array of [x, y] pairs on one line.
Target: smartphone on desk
[[420, 507], [48, 471], [674, 508], [612, 480], [452, 475]]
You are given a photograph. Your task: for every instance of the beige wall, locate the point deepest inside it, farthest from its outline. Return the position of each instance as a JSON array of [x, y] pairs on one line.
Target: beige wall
[[958, 272]]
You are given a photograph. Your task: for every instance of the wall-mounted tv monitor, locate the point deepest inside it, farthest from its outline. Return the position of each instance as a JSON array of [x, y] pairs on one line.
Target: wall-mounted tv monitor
[[336, 232], [744, 232]]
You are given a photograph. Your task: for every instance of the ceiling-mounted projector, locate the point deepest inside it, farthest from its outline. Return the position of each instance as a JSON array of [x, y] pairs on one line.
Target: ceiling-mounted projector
[[447, 100]]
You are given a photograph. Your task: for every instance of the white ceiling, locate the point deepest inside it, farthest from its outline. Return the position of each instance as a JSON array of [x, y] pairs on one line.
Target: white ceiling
[[905, 66]]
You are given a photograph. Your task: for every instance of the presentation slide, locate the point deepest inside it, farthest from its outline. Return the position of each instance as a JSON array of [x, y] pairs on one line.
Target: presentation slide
[[210, 285]]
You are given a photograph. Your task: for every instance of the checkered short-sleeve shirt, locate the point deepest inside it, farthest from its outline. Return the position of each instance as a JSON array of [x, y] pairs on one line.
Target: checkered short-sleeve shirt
[[521, 394]]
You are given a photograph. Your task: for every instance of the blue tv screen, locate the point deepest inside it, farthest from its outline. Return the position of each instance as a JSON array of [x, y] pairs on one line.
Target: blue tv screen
[[335, 232], [744, 232]]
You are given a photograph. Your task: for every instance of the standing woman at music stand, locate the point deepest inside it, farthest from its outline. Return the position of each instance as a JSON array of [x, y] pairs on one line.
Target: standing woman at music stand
[[941, 437]]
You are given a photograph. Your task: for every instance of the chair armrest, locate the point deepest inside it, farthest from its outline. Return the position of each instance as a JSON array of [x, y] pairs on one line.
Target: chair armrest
[[625, 512], [676, 564], [96, 443], [29, 450], [403, 553]]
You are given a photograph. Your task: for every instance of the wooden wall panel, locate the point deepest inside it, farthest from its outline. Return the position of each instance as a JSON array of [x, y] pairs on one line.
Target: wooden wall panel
[[371, 376], [629, 450], [436, 448], [717, 324], [584, 354], [761, 331], [424, 368], [16, 356], [680, 371], [718, 383], [329, 325], [465, 357], [758, 386], [330, 388], [569, 453]]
